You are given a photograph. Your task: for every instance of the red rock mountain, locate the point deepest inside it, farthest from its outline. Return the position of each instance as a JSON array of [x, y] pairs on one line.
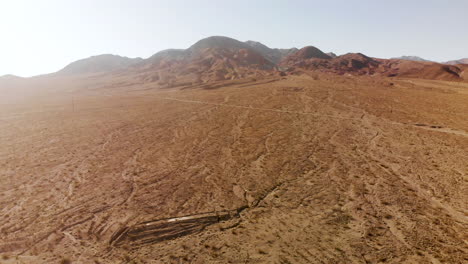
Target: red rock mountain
[[311, 59], [233, 53], [210, 59], [425, 70]]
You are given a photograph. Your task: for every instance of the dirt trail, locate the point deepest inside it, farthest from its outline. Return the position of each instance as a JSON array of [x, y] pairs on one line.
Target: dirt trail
[[256, 108]]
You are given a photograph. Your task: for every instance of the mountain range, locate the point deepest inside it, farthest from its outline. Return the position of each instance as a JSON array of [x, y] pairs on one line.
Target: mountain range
[[221, 58]]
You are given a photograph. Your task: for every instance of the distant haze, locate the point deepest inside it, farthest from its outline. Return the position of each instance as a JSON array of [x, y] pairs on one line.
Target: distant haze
[[40, 37]]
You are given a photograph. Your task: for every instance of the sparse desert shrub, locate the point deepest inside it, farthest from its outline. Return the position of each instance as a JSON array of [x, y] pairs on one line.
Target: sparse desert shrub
[[65, 261], [388, 216]]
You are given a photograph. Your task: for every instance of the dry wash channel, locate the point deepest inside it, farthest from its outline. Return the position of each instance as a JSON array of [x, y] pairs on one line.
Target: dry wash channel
[[170, 228]]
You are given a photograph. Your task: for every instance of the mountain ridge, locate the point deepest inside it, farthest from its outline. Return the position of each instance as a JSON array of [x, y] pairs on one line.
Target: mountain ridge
[[221, 58]]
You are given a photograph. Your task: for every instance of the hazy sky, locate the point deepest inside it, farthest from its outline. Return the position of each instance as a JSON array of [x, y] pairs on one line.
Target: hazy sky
[[42, 36]]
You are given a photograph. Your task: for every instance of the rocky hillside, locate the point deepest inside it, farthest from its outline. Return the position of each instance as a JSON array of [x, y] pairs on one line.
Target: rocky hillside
[[312, 59], [210, 59]]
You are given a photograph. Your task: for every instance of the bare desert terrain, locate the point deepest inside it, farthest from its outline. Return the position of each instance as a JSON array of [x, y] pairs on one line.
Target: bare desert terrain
[[303, 168]]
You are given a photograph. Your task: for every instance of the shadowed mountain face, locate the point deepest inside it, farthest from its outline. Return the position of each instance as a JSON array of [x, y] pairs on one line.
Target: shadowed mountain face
[[98, 64], [303, 54], [354, 62], [273, 55]]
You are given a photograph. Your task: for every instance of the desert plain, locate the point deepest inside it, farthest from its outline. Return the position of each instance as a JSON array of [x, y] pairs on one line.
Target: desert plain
[[297, 168]]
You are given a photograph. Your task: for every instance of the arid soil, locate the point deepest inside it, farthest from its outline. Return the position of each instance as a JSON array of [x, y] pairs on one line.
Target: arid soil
[[313, 168]]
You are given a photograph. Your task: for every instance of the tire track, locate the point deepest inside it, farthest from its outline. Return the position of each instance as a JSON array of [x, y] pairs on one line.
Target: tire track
[[256, 108]]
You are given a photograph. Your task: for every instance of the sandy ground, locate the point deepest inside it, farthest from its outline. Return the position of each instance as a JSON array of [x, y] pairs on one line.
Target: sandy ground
[[320, 169]]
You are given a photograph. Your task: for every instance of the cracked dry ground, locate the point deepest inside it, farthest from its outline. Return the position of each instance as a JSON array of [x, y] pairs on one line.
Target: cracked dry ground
[[332, 169]]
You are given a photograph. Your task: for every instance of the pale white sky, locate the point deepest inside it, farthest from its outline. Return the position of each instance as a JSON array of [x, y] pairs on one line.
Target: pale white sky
[[42, 36]]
